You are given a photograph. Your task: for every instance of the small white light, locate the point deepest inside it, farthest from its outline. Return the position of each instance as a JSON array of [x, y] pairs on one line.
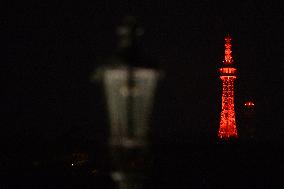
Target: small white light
[[72, 164]]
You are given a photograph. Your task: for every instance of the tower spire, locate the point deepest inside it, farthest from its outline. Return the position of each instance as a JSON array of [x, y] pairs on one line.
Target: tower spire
[[228, 51]]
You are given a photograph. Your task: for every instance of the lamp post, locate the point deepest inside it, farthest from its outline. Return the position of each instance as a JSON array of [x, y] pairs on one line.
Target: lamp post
[[129, 87]]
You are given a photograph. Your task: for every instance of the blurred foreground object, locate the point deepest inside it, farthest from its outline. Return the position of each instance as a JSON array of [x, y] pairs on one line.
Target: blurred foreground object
[[129, 81]]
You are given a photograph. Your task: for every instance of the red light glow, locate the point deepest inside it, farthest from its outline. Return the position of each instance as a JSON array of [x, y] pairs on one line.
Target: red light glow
[[228, 127], [249, 103], [228, 71], [228, 51]]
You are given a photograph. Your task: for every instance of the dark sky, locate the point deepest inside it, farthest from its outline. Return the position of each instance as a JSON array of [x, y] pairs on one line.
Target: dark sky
[[56, 47]]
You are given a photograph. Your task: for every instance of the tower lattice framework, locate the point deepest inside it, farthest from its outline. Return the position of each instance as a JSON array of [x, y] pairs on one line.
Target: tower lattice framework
[[228, 127]]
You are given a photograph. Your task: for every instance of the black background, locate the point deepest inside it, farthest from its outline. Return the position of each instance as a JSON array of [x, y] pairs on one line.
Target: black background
[[50, 50], [58, 46]]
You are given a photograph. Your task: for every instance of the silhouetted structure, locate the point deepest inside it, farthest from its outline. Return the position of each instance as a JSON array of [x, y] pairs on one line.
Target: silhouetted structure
[[247, 131]]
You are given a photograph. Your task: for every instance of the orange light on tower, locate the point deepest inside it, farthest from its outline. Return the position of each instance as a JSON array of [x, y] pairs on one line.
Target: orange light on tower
[[228, 127]]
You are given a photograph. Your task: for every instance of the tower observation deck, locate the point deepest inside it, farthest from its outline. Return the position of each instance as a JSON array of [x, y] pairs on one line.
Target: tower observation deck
[[228, 127]]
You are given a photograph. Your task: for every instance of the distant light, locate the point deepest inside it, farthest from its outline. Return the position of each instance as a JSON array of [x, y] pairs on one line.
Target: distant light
[[72, 164], [249, 103]]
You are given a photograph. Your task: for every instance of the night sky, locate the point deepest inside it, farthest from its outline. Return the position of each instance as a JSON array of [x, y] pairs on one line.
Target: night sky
[[51, 50]]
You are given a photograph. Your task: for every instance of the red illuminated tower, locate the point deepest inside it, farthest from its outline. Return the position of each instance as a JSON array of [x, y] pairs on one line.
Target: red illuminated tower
[[227, 127]]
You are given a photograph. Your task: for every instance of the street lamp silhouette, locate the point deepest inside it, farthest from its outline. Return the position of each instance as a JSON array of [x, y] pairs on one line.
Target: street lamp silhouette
[[130, 83]]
